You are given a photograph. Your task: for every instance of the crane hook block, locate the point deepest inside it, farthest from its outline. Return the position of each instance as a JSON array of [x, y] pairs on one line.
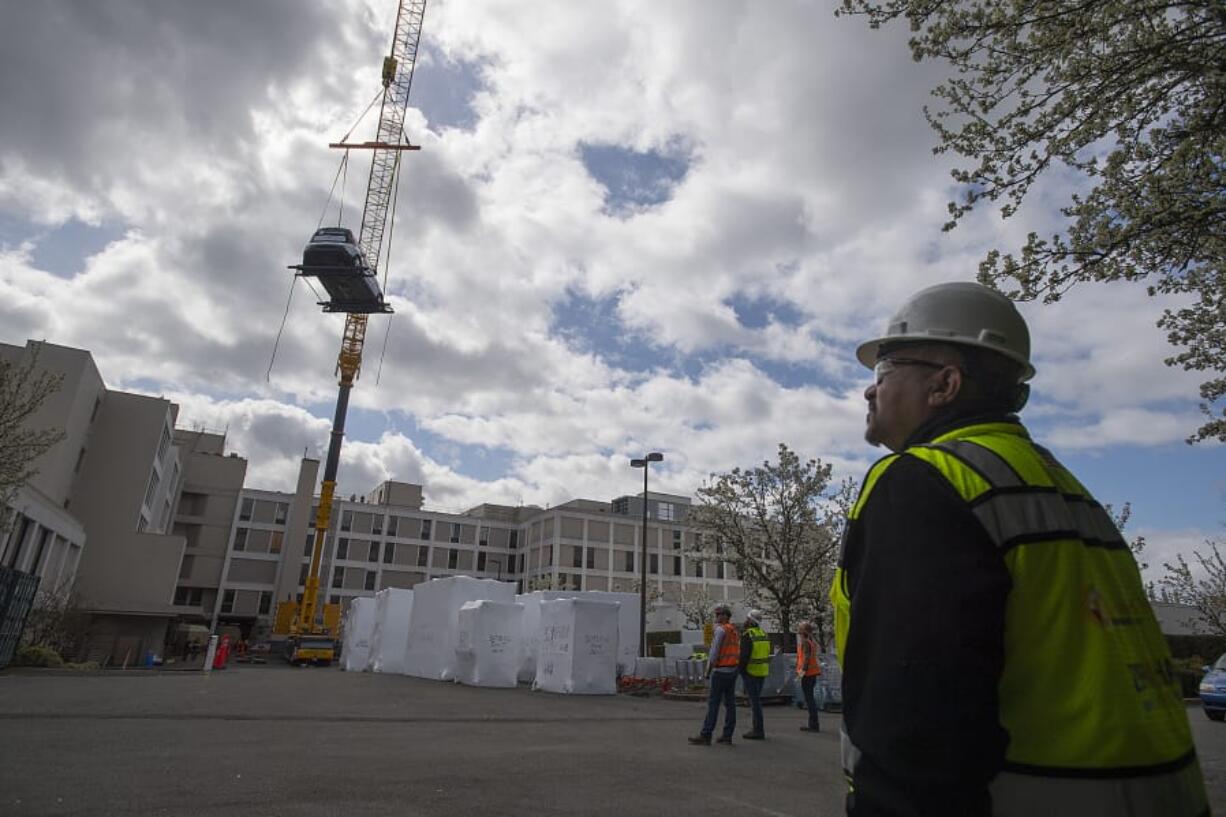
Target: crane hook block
[[389, 70]]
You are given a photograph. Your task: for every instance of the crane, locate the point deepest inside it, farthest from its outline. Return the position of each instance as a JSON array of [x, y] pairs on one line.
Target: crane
[[351, 280]]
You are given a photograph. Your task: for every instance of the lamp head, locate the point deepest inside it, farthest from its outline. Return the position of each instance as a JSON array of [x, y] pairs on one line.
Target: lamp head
[[638, 463], [655, 456]]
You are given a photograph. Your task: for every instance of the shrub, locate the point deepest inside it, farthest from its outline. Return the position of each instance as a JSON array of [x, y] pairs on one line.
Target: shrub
[[34, 655]]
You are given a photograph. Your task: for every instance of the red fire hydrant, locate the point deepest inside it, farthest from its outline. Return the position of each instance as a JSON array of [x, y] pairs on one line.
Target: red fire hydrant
[[223, 653]]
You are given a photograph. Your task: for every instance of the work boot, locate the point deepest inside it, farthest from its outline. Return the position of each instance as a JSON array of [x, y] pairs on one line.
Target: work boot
[[724, 739], [700, 740], [754, 736], [810, 729]]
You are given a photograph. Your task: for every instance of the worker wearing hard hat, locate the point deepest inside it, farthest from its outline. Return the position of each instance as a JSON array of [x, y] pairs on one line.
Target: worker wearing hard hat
[[754, 665], [725, 653], [999, 655]]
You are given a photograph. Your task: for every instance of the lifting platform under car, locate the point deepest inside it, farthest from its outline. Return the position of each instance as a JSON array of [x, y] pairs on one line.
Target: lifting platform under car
[[332, 255]]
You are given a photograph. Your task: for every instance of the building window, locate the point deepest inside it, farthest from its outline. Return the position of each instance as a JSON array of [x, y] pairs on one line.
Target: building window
[[480, 561], [677, 540], [621, 505], [521, 562], [302, 574], [393, 524], [346, 520], [577, 558], [376, 525], [371, 576], [453, 558], [309, 549], [591, 558], [483, 537], [425, 530], [389, 553], [342, 548], [240, 538], [338, 577], [719, 570], [188, 596], [549, 554], [244, 514], [227, 601], [455, 532], [698, 569], [265, 603], [629, 557], [164, 443], [373, 554], [152, 490], [423, 556], [655, 563], [280, 513], [274, 541], [664, 511], [676, 565], [513, 539]]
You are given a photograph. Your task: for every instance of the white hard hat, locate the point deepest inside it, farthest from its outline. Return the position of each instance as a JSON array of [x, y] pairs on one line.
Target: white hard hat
[[962, 313], [755, 616]]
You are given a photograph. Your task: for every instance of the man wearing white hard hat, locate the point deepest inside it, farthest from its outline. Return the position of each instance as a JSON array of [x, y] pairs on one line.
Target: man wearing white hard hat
[[754, 666], [999, 654]]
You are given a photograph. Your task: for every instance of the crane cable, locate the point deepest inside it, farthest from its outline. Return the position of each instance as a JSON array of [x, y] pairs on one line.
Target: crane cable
[[391, 234], [344, 165]]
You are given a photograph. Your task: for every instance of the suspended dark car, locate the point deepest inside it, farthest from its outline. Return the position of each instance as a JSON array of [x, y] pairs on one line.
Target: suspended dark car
[[332, 255]]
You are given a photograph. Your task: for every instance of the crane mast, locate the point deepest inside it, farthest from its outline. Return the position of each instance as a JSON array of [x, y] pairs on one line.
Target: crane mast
[[384, 165]]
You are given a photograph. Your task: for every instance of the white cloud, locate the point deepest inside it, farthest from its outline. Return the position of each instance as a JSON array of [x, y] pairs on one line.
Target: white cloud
[[811, 182]]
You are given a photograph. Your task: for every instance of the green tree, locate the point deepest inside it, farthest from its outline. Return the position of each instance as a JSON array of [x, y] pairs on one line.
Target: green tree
[[1129, 95], [1204, 593], [774, 524], [23, 388]]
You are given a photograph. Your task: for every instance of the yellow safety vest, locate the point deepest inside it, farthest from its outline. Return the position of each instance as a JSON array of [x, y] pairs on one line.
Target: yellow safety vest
[[760, 654], [1088, 691]]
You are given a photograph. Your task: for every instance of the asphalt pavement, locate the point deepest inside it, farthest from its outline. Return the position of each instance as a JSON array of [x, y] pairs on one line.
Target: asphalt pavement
[[277, 740]]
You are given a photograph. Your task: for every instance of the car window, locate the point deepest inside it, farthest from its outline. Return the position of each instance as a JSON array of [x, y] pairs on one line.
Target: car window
[[1221, 663]]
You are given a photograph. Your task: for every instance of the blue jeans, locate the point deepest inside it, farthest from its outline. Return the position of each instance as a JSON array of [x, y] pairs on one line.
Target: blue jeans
[[753, 688], [723, 688]]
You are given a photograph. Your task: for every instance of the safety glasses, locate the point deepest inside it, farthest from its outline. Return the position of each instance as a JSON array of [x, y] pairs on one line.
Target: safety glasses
[[889, 364]]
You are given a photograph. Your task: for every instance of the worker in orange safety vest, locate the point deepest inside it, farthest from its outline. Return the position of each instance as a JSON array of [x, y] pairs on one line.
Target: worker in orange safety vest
[[807, 670], [725, 655]]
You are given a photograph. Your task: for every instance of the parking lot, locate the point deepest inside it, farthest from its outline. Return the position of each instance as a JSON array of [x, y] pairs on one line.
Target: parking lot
[[278, 740]]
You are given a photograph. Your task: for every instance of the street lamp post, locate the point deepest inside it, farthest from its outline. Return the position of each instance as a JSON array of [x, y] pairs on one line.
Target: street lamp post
[[654, 456], [499, 563]]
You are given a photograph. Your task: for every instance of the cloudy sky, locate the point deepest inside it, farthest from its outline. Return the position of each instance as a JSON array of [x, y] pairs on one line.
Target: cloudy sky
[[632, 226]]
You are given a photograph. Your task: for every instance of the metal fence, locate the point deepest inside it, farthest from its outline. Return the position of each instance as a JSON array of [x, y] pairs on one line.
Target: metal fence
[[17, 591]]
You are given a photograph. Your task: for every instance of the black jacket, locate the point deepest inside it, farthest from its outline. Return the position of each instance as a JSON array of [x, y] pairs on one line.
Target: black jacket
[[925, 649]]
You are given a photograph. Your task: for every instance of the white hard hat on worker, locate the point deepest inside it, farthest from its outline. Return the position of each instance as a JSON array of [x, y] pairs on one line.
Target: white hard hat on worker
[[948, 344]]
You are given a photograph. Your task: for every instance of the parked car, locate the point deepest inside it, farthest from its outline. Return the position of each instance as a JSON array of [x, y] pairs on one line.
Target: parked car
[[1213, 690], [332, 255]]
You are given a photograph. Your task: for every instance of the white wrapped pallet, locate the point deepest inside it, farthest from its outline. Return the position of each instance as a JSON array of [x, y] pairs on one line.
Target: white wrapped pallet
[[489, 643], [358, 628], [390, 639], [433, 631], [627, 626], [578, 651], [532, 627]]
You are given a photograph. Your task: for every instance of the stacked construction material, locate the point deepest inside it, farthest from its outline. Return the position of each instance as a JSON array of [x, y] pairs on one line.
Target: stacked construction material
[[531, 641], [390, 639], [489, 643], [627, 626], [358, 628], [434, 627], [578, 647]]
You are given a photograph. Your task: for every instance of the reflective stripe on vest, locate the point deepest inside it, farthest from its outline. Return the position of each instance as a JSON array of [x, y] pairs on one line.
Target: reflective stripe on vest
[[806, 658], [729, 648], [1088, 691], [760, 653]]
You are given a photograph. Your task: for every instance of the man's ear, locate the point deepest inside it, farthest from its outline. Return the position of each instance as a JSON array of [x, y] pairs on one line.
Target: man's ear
[[945, 386]]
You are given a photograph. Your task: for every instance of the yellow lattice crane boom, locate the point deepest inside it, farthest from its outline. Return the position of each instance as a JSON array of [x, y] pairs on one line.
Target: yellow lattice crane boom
[[351, 278]]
